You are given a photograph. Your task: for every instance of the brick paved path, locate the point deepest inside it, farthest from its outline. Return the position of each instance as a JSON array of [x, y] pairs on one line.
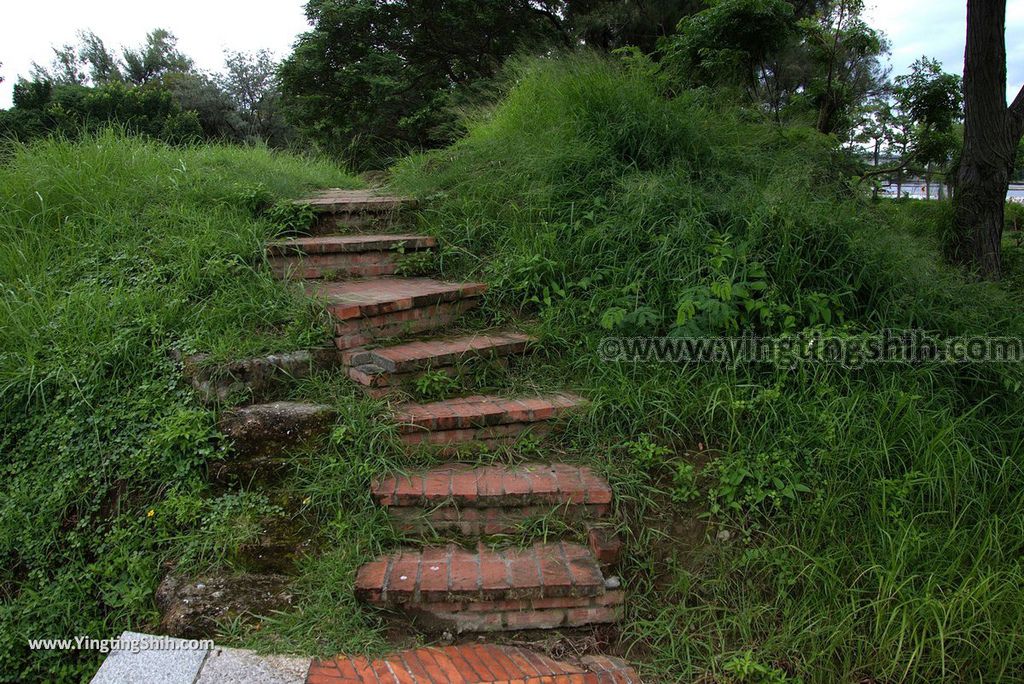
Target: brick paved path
[[389, 331]]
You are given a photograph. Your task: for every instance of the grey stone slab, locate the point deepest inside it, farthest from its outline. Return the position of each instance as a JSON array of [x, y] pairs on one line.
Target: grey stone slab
[[150, 666], [231, 666]]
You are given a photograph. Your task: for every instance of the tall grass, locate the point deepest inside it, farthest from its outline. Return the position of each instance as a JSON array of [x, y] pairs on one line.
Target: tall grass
[[113, 251], [591, 202]]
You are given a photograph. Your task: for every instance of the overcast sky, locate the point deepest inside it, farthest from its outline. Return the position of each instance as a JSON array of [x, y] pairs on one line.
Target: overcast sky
[[205, 28]]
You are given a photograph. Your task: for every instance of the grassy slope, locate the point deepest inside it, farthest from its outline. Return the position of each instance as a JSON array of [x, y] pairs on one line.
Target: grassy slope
[[583, 194], [589, 201], [113, 251]]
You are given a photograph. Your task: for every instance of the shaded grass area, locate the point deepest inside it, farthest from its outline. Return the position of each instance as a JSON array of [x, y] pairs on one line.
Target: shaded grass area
[[114, 251], [866, 523]]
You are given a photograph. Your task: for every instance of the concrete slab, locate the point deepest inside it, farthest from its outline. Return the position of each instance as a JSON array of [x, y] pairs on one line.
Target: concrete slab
[[177, 665], [232, 665]]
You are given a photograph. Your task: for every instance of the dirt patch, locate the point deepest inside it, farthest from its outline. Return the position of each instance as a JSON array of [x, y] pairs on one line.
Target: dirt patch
[[194, 607]]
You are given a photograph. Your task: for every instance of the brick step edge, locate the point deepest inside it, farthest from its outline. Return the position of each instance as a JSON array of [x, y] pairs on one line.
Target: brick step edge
[[530, 484], [377, 382], [482, 522], [471, 664], [422, 354], [346, 265], [362, 331], [452, 574], [336, 201], [483, 411], [359, 299], [494, 435], [348, 244], [507, 616]]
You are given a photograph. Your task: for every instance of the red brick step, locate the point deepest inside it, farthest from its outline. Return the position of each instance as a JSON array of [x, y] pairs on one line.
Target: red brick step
[[342, 255], [471, 664], [387, 367], [354, 208], [335, 200], [491, 499], [377, 308], [449, 588], [481, 418]]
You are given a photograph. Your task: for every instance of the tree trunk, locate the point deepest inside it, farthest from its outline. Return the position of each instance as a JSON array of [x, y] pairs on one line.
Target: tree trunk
[[878, 148], [991, 133]]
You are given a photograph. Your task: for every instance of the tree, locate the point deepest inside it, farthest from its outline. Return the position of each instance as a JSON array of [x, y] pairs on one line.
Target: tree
[[610, 24], [251, 84], [845, 51], [91, 63], [914, 122], [730, 42], [932, 100], [65, 69], [992, 132], [200, 94], [103, 64], [792, 58], [159, 55], [373, 77]]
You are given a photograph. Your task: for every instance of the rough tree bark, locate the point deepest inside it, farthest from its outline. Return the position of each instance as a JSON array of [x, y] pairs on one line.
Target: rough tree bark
[[991, 133]]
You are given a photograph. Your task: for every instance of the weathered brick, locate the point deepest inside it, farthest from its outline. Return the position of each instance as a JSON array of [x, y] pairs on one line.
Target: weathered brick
[[348, 244], [339, 201], [363, 331], [472, 664], [422, 354], [605, 545], [484, 575], [368, 265], [369, 297], [531, 484], [480, 411]]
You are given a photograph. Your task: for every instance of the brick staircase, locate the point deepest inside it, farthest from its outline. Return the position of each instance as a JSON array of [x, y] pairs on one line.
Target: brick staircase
[[490, 500], [479, 584], [381, 369], [343, 256]]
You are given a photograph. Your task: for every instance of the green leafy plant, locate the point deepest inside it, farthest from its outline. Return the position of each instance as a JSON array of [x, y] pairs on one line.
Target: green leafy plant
[[416, 263], [762, 482], [433, 385], [647, 454], [221, 526], [744, 668], [684, 483], [736, 295], [291, 217]]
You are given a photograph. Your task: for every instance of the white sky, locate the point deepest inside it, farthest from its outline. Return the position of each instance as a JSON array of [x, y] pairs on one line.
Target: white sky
[[938, 28], [205, 28]]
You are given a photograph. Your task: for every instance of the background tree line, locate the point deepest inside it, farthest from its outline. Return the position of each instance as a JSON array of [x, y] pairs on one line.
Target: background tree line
[[374, 79], [153, 89]]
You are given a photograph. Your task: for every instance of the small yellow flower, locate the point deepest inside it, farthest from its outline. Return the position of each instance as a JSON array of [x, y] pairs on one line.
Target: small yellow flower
[[150, 513], [305, 502]]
